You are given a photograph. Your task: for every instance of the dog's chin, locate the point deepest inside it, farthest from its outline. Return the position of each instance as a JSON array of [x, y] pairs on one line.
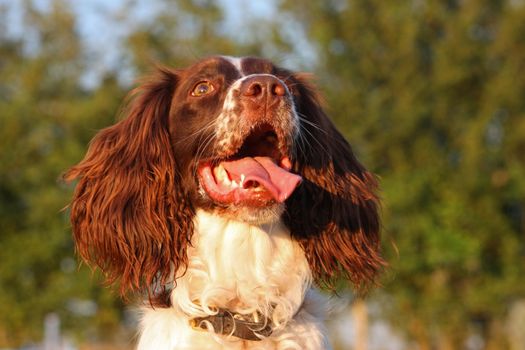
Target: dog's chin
[[251, 215]]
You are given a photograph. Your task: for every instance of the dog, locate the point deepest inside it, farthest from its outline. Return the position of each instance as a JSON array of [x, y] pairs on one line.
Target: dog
[[228, 196]]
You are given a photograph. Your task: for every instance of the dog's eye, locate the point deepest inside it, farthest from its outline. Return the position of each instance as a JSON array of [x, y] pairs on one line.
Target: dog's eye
[[202, 88]]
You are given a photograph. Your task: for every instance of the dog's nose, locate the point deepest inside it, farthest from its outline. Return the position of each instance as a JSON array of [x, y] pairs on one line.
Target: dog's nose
[[262, 88]]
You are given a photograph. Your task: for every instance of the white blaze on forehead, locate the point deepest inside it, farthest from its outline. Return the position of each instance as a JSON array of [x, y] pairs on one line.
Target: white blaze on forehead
[[236, 62]]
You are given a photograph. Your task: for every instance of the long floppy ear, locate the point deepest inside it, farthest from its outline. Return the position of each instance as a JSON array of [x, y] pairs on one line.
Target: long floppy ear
[[334, 214], [129, 215]]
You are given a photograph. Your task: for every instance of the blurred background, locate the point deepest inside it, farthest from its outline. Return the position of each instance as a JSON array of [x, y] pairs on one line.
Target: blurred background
[[430, 93]]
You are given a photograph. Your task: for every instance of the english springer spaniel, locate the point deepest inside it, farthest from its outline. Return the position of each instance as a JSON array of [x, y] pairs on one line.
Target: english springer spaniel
[[227, 194]]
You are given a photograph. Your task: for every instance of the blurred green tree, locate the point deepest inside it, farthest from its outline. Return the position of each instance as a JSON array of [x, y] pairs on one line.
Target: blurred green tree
[[432, 94], [186, 30], [44, 114]]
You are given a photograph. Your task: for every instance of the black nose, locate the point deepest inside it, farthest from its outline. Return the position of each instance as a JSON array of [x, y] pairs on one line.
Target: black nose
[[262, 87]]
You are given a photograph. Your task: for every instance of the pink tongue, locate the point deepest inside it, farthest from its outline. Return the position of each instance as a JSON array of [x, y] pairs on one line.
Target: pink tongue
[[276, 180]]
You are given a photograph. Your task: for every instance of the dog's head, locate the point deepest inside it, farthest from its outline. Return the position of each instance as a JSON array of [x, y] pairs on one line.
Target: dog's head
[[239, 137], [233, 127]]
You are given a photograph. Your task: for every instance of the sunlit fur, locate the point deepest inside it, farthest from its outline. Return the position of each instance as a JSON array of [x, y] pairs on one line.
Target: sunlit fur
[[245, 269], [139, 213]]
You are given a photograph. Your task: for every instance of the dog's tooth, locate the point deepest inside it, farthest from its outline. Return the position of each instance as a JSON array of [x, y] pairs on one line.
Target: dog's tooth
[[218, 173], [243, 177], [234, 184], [221, 175]]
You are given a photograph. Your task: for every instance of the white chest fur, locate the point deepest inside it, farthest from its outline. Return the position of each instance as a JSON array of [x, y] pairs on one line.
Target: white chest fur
[[245, 269]]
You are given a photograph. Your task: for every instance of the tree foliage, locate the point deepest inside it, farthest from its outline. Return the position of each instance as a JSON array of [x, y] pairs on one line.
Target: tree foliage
[[46, 120]]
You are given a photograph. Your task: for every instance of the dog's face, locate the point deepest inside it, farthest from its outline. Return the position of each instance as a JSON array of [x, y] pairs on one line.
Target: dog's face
[[240, 137], [237, 145]]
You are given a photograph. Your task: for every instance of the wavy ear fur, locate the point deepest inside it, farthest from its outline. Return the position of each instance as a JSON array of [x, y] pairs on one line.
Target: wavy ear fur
[[334, 214], [129, 215]]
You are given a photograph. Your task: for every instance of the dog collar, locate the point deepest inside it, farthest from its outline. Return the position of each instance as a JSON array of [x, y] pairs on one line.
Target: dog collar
[[247, 327]]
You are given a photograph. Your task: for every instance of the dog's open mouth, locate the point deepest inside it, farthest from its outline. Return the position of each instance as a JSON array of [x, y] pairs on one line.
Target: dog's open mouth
[[256, 175]]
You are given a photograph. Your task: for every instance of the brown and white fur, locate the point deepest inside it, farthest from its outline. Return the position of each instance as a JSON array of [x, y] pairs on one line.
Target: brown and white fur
[[156, 208]]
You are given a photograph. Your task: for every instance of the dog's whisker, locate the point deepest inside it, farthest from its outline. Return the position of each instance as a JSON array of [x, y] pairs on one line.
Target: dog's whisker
[[201, 131]]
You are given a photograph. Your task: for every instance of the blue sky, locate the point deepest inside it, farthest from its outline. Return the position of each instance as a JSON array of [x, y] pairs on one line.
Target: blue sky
[[103, 27]]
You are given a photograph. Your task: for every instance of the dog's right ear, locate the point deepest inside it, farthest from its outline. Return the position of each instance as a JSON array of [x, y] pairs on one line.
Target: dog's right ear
[[130, 215]]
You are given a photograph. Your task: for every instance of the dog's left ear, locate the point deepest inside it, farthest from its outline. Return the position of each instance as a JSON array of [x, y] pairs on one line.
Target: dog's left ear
[[334, 214]]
